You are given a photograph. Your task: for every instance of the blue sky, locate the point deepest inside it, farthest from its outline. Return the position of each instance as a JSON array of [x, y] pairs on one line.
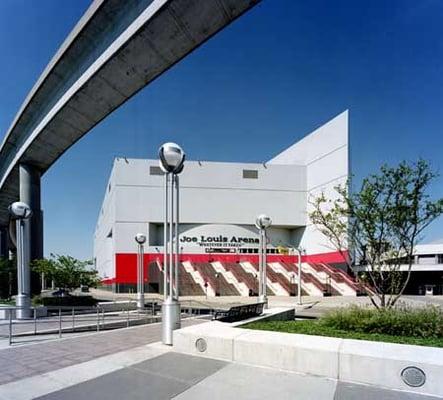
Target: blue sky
[[274, 75]]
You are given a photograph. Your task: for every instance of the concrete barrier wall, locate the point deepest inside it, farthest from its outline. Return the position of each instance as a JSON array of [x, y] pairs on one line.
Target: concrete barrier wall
[[41, 311], [373, 363], [110, 306]]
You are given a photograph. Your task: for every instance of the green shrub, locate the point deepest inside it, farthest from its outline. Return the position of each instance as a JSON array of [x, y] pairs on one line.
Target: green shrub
[[314, 327], [424, 322], [69, 301], [37, 300]]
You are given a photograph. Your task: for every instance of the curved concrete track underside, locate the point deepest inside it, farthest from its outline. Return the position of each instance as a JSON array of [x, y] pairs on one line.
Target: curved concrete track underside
[[88, 78]]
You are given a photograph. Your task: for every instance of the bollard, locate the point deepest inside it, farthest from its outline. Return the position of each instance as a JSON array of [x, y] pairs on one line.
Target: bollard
[[73, 319], [103, 318], [127, 320], [10, 327], [35, 321], [60, 322], [98, 320]]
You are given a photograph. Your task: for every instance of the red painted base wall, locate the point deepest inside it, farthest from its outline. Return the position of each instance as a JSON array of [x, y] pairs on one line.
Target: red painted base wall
[[126, 263]]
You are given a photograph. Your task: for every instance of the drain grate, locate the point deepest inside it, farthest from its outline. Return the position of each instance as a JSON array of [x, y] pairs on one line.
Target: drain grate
[[201, 345], [413, 376]]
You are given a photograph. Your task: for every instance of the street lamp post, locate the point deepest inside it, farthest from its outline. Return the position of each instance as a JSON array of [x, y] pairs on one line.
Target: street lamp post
[[21, 212], [217, 284], [262, 222], [140, 238], [299, 252], [172, 158], [293, 282]]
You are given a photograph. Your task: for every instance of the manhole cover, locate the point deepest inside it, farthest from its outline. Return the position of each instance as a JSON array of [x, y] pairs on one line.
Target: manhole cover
[[201, 345], [413, 376]]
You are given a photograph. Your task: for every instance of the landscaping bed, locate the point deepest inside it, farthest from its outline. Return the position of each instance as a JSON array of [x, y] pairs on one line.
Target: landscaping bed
[[420, 326]]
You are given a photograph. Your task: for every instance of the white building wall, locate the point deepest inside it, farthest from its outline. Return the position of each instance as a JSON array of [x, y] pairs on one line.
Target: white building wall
[[325, 154], [210, 193], [217, 195], [104, 235], [429, 248]]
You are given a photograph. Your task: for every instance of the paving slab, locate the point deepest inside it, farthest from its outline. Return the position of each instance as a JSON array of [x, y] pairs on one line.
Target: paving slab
[[350, 391], [180, 367], [243, 382], [160, 378]]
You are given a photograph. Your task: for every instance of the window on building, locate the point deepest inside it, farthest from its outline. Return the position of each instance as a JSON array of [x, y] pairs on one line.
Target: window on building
[[250, 174], [426, 259], [153, 170]]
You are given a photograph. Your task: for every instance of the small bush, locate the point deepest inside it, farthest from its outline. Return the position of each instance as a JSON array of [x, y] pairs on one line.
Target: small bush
[[69, 301], [424, 322], [36, 301]]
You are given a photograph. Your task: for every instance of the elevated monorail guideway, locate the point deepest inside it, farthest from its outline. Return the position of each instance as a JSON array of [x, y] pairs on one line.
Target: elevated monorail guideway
[[117, 48]]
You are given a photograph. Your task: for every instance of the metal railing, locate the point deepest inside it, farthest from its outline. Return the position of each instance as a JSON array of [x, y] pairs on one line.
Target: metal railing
[[113, 315], [70, 319], [195, 308]]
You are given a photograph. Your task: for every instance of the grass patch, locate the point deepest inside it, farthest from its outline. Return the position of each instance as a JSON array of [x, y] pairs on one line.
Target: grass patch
[[422, 326], [7, 302]]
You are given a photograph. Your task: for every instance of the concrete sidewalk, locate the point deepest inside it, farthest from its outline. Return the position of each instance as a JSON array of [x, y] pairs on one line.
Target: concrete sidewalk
[[167, 375], [29, 360], [130, 364]]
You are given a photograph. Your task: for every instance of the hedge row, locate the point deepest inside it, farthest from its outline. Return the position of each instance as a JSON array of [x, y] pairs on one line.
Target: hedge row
[[69, 301]]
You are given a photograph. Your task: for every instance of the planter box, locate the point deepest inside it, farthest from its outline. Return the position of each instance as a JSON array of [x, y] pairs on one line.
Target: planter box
[[4, 313], [42, 311], [409, 368]]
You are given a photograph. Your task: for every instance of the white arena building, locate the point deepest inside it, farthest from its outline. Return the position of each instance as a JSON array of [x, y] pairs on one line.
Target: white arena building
[[218, 206]]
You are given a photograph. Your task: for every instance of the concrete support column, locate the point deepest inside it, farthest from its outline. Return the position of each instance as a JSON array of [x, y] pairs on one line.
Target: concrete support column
[[30, 194]]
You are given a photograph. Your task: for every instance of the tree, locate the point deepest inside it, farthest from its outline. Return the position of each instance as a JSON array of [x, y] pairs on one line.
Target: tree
[[380, 225], [67, 272], [8, 278]]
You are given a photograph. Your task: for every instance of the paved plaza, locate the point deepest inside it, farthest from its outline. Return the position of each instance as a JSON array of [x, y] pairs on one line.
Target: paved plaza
[[168, 375], [131, 364], [183, 377], [30, 360]]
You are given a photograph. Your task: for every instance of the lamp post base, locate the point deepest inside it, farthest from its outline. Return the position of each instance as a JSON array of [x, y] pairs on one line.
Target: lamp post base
[[171, 319], [263, 299], [24, 303], [140, 301]]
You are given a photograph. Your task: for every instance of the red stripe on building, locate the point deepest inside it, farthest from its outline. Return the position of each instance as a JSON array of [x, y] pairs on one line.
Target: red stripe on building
[[126, 263]]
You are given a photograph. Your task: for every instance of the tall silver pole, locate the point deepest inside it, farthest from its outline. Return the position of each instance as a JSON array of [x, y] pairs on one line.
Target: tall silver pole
[[265, 264], [177, 235], [142, 275], [165, 242], [260, 254], [172, 159], [299, 277], [23, 300], [262, 288], [140, 279], [19, 241], [171, 307], [171, 241]]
